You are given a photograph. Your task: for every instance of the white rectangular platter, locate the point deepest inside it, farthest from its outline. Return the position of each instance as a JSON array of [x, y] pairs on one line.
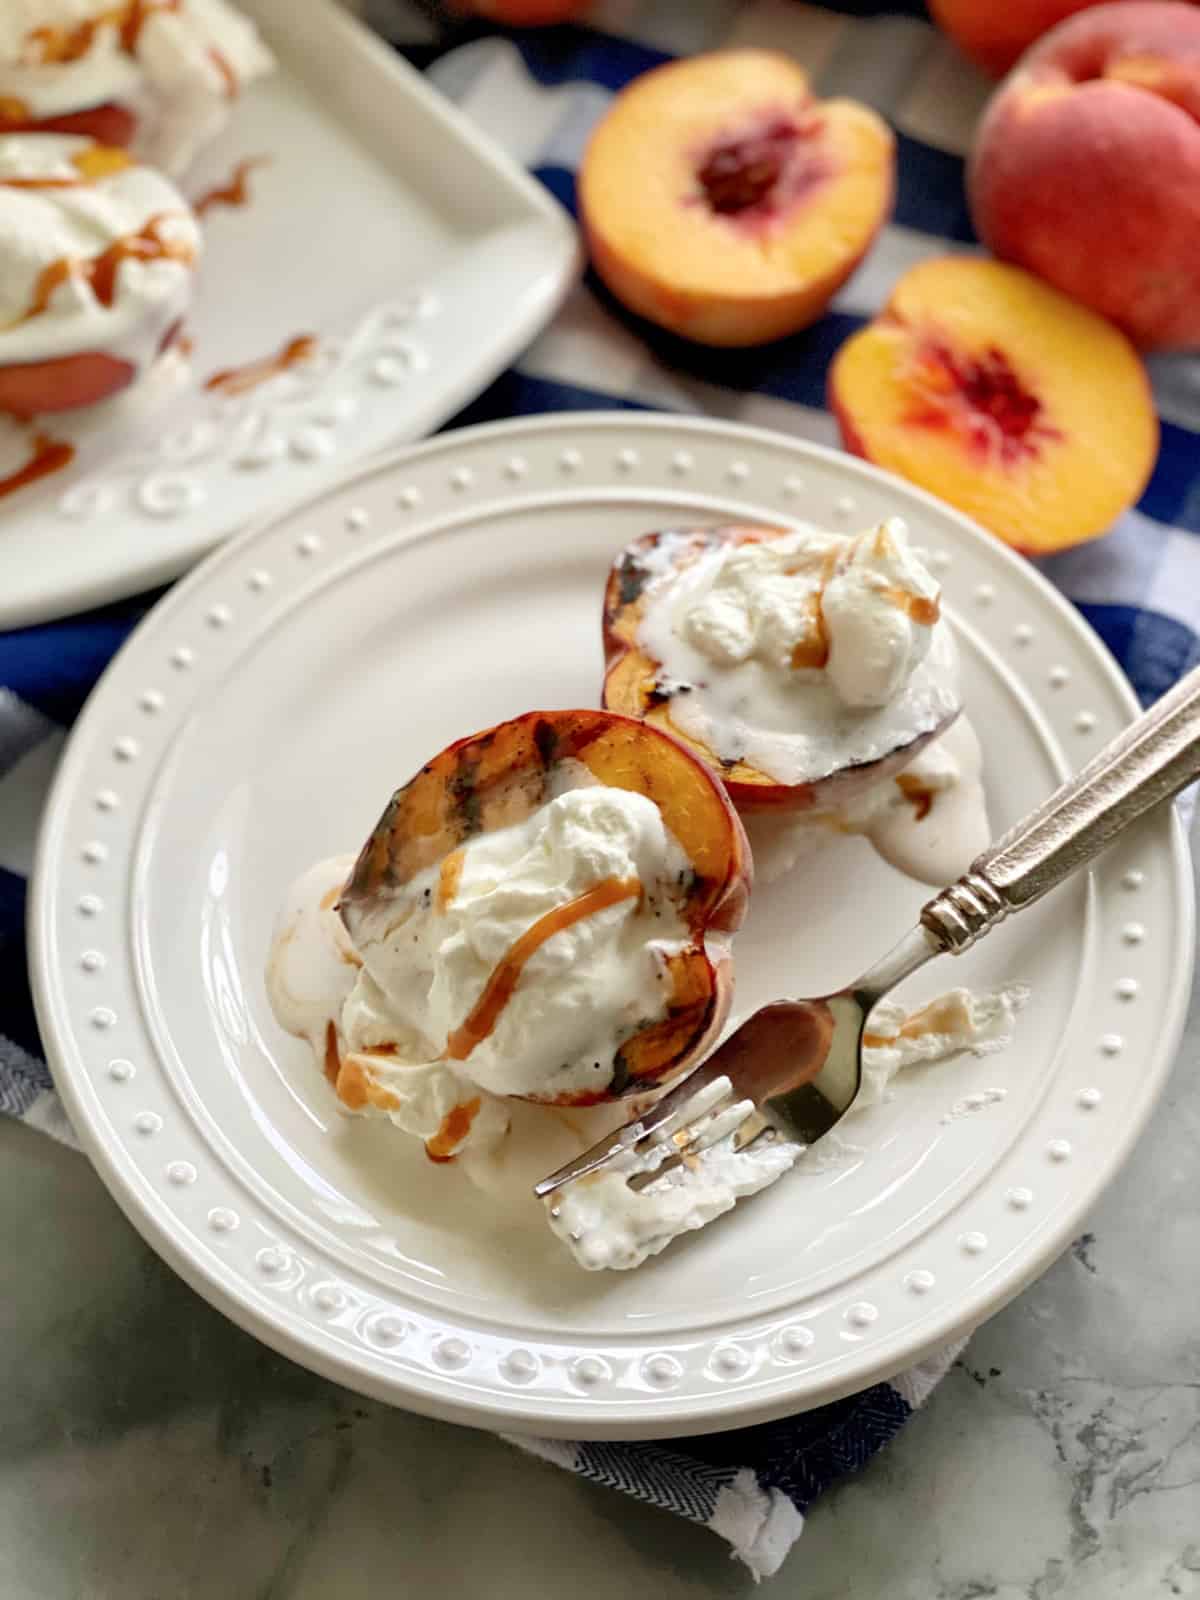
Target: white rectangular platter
[[420, 258]]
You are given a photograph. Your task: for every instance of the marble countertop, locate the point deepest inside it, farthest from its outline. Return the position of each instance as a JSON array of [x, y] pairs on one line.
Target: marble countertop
[[150, 1450]]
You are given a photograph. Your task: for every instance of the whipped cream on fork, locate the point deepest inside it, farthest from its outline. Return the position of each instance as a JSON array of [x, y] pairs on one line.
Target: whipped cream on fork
[[605, 1223]]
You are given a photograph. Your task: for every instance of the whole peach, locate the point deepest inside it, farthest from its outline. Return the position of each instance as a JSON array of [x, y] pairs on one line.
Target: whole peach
[[995, 35], [1086, 169]]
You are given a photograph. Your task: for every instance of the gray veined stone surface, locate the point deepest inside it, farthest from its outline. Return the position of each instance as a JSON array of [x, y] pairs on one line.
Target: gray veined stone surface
[[149, 1450]]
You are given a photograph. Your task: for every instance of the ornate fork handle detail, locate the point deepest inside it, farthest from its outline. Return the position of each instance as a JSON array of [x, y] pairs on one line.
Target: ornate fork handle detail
[[1153, 759]]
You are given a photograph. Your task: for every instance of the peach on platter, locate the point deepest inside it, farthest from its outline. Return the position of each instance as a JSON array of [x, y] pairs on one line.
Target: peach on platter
[[1086, 169], [503, 775], [724, 202], [994, 391], [637, 684]]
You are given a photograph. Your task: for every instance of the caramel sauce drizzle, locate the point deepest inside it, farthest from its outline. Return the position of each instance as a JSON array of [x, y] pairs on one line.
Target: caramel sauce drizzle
[[455, 1127], [240, 380], [919, 794], [350, 1083], [449, 876], [49, 455], [229, 77], [55, 45], [96, 162], [499, 988], [100, 272], [234, 191], [915, 606], [939, 1016], [356, 1090], [813, 649], [333, 1056]]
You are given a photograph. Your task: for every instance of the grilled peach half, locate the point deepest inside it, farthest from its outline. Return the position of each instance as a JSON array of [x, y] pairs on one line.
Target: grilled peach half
[[110, 123], [635, 684], [500, 777]]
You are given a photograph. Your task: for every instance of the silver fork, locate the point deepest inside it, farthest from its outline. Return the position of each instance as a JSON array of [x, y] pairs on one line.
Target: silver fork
[[794, 1068]]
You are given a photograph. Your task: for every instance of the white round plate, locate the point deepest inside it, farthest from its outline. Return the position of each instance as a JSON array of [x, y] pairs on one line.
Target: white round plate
[[259, 719]]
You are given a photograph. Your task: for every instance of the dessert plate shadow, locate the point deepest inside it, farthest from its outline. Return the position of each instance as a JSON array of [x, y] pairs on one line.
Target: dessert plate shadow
[[257, 721]]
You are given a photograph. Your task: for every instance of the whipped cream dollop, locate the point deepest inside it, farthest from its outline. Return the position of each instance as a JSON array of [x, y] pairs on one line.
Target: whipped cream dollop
[[607, 1224], [880, 607], [96, 252], [402, 995], [176, 66], [598, 978], [804, 653]]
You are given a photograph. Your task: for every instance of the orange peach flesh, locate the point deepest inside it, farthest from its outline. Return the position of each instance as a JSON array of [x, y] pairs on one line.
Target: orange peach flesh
[[994, 391], [723, 202]]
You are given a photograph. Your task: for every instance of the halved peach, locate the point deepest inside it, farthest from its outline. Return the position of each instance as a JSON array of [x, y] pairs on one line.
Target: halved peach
[[723, 201], [636, 686], [108, 124], [998, 393], [502, 776], [62, 383]]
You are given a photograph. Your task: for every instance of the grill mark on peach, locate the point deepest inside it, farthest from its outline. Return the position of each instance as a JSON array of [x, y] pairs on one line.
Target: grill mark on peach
[[545, 741], [688, 1014]]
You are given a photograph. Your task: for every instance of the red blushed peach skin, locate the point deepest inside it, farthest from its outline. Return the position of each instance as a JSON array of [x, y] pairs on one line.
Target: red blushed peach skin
[[31, 388], [722, 201], [497, 778], [995, 34], [1086, 169], [109, 124], [987, 387], [633, 679]]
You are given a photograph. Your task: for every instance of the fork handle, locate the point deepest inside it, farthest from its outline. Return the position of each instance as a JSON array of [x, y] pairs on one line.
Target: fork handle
[[1149, 761]]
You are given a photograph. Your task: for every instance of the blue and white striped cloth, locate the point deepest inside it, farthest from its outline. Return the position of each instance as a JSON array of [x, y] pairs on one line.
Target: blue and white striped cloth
[[539, 95]]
